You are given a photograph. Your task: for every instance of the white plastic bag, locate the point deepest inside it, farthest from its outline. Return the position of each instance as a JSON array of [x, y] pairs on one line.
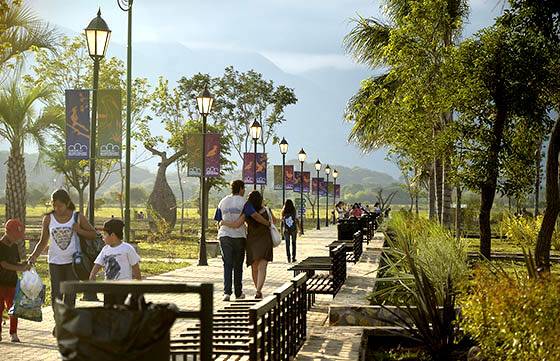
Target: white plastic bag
[[31, 284]]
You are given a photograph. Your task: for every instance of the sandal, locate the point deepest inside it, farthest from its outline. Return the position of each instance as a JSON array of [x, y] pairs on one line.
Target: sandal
[[258, 295]]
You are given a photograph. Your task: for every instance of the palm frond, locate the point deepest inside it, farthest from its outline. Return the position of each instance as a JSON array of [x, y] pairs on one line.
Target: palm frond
[[367, 41]]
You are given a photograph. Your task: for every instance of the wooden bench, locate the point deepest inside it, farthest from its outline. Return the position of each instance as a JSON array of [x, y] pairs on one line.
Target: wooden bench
[[354, 248], [270, 329], [332, 276]]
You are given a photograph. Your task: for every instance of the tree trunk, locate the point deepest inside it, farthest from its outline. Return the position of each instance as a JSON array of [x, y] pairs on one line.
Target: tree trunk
[[458, 215], [542, 250], [416, 203], [411, 195], [438, 168], [446, 212], [537, 178], [432, 195], [488, 188], [162, 200], [81, 199], [16, 190], [182, 196]]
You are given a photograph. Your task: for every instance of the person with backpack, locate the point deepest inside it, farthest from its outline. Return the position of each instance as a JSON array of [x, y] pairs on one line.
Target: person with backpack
[[289, 227], [62, 226]]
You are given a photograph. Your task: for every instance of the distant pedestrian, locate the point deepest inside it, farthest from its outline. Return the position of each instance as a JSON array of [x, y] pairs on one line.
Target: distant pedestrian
[[232, 240], [10, 264], [290, 228]]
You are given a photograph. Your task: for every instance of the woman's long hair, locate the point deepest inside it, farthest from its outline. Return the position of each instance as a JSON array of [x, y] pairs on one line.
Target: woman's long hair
[[62, 196], [255, 199], [288, 209]]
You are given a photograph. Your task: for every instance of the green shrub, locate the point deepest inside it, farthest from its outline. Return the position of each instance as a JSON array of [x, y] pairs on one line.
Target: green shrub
[[525, 230], [514, 318]]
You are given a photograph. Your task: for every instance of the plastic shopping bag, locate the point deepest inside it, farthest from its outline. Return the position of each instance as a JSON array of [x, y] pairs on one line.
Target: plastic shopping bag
[[26, 307], [31, 283]]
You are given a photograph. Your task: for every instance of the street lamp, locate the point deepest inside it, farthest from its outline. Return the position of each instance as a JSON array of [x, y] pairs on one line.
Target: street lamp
[[97, 38], [126, 5], [204, 102], [318, 169], [255, 134], [283, 150], [327, 172], [334, 175], [301, 157]]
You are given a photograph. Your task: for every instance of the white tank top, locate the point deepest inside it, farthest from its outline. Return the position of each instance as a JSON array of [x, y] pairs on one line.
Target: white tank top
[[63, 241]]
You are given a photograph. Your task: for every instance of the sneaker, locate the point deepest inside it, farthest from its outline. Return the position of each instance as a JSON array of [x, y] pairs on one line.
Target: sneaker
[[294, 260], [14, 337], [240, 297], [226, 298]]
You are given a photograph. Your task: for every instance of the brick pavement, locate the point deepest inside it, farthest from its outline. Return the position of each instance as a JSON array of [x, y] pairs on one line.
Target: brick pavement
[[38, 343]]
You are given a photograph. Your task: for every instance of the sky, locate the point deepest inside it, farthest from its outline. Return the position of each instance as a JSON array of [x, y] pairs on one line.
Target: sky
[[298, 36]]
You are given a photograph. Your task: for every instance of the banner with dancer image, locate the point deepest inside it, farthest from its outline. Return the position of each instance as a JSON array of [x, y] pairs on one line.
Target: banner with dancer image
[[77, 124], [193, 144], [288, 179], [109, 124], [321, 185], [337, 190], [306, 182], [249, 168]]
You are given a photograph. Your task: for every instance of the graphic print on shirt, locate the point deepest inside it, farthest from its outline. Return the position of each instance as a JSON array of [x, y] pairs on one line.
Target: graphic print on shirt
[[112, 267], [62, 236]]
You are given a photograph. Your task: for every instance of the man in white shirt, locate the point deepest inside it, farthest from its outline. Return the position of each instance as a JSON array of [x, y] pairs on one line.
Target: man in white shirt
[[232, 240]]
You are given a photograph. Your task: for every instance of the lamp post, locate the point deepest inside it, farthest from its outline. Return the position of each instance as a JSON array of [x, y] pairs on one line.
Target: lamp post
[[97, 38], [301, 157], [126, 5], [204, 102], [283, 150], [334, 175], [255, 134], [318, 169], [327, 172]]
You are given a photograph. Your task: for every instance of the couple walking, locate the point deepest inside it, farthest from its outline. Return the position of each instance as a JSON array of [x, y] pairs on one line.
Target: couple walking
[[244, 228]]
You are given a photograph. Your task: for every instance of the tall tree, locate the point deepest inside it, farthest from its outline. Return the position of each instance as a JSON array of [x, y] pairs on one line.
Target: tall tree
[[21, 123]]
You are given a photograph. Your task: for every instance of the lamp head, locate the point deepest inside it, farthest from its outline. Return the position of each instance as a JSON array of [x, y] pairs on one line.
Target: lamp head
[[255, 130], [283, 146], [317, 165], [205, 102], [302, 156], [97, 37]]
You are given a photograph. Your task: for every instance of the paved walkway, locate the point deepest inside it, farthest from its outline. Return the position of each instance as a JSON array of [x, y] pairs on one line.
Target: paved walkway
[[328, 343]]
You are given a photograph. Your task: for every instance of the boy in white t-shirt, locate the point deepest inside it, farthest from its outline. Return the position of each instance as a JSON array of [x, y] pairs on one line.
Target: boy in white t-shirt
[[118, 259]]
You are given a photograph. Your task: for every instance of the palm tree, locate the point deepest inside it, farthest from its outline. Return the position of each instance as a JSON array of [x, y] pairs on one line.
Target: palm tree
[[20, 123], [369, 42], [20, 31]]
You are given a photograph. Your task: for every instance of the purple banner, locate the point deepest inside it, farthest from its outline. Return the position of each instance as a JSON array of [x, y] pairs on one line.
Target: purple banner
[[337, 190], [77, 124], [289, 173], [322, 187], [249, 168], [193, 144], [306, 182]]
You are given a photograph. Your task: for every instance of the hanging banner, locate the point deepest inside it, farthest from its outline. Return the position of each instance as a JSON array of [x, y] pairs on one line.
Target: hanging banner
[[278, 178], [330, 189], [193, 144], [77, 124], [109, 123], [289, 173], [249, 168], [306, 182], [322, 187], [337, 190]]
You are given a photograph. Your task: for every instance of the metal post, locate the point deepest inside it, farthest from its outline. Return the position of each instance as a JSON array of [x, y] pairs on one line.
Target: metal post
[[334, 200], [318, 214], [92, 144], [301, 197], [128, 125], [206, 310], [202, 259], [327, 204], [255, 168], [283, 179]]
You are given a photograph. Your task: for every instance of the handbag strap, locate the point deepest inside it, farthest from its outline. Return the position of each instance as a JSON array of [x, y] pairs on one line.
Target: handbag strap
[[77, 239], [269, 217]]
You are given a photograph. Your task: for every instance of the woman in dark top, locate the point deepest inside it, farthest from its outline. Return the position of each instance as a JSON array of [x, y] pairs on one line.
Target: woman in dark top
[[289, 228], [259, 240]]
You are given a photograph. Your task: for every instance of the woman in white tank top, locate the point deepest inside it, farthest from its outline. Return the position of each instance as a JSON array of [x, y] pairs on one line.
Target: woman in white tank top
[[61, 229]]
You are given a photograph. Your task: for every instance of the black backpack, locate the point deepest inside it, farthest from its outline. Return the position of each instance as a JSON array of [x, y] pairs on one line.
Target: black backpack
[[86, 252]]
